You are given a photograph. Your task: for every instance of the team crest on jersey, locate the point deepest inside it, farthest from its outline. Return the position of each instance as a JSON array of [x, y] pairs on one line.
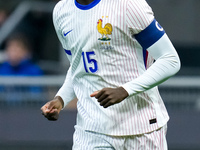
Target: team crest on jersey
[[105, 31]]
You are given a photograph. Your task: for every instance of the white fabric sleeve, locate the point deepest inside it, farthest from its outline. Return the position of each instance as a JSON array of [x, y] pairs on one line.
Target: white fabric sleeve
[[138, 15], [66, 92], [166, 65], [57, 22]]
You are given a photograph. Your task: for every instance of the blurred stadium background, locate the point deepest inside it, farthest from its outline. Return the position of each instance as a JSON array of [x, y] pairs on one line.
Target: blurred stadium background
[[22, 127]]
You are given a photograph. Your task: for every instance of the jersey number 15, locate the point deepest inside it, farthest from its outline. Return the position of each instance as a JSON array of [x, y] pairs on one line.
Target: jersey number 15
[[89, 63]]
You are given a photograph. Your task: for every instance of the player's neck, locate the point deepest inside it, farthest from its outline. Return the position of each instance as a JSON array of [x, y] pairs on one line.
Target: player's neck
[[84, 2]]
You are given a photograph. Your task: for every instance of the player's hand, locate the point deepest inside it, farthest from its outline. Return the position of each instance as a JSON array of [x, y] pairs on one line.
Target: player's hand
[[110, 96], [52, 108]]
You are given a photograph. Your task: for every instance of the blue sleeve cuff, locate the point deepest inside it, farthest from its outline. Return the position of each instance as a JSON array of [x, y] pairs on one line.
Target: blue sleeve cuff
[[150, 35]]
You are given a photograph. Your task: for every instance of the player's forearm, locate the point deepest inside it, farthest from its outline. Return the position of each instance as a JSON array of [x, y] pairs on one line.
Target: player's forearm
[[159, 72], [66, 92], [167, 64]]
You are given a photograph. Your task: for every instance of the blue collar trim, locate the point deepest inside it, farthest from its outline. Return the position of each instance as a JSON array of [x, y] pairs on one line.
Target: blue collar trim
[[86, 7]]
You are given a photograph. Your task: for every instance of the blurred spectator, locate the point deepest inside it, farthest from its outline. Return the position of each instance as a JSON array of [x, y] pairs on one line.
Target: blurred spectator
[[19, 58]]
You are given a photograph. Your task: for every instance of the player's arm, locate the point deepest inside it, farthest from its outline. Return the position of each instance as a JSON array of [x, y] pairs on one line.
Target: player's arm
[[167, 63], [65, 94], [152, 37]]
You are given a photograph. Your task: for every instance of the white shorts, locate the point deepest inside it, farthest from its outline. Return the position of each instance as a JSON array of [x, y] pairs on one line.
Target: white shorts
[[87, 140]]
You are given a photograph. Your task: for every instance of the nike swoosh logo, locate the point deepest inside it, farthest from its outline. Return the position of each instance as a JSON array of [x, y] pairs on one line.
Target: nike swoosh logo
[[65, 34]]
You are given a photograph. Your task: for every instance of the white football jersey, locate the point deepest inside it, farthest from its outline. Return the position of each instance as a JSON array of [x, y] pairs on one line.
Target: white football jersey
[[99, 42]]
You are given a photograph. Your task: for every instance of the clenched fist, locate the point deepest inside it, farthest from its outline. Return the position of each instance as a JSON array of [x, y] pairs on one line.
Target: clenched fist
[[52, 108], [110, 96]]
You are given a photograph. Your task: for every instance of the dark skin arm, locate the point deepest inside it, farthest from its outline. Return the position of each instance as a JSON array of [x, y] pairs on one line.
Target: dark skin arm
[[52, 108], [106, 97], [110, 96]]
